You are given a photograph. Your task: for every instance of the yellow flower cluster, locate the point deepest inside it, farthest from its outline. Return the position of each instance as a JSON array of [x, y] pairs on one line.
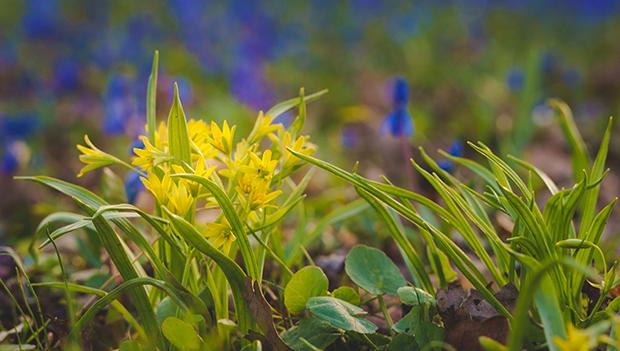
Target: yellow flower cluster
[[249, 170], [246, 170]]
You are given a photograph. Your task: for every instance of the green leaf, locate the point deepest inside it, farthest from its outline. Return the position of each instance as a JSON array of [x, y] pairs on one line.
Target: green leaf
[[128, 286], [592, 194], [397, 232], [181, 334], [373, 271], [419, 324], [89, 290], [130, 345], [310, 331], [234, 274], [340, 314], [491, 345], [178, 137], [579, 153], [306, 283], [231, 215], [151, 98], [284, 106], [348, 294], [456, 254], [402, 342], [414, 296]]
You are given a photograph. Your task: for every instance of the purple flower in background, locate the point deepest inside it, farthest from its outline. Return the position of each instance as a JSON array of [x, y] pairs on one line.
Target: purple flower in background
[[18, 126], [515, 79], [66, 75], [8, 161], [548, 62], [120, 106], [399, 122], [571, 77], [349, 137], [133, 186], [456, 150], [41, 19]]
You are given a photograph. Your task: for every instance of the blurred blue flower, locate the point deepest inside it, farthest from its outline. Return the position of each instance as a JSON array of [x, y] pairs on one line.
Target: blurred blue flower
[[120, 107], [8, 162], [456, 150], [41, 19], [66, 75], [18, 126], [515, 79], [349, 137], [399, 122], [133, 186], [401, 92], [548, 62], [571, 77]]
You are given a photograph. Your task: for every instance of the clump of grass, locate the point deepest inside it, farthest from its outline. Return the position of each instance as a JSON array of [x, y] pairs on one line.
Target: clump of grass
[[551, 253]]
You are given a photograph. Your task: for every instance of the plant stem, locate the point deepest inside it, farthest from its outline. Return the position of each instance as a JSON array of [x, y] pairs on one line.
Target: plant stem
[[386, 314]]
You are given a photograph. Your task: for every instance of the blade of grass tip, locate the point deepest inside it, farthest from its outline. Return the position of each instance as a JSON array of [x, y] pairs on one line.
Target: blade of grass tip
[[286, 105], [151, 99], [450, 199], [553, 188], [234, 220], [178, 136], [598, 169], [56, 217], [579, 152], [298, 123]]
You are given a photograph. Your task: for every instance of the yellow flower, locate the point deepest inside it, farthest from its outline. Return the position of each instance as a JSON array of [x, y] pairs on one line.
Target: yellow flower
[[258, 198], [240, 157], [262, 168], [284, 141], [220, 235], [577, 340], [263, 127], [93, 157], [201, 169], [149, 156], [161, 136], [160, 188], [180, 200], [199, 137], [222, 139]]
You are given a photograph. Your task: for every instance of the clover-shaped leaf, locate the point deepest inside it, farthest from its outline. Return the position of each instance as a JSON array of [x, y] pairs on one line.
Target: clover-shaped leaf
[[340, 314], [373, 271], [307, 282]]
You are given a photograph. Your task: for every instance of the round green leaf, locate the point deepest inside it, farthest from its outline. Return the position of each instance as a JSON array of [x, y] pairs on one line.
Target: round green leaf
[[307, 282], [348, 294], [181, 334], [414, 296], [340, 314], [373, 271]]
